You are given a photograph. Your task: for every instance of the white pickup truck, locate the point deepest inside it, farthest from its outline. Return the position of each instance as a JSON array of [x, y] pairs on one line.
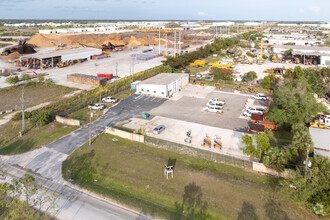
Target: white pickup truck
[[216, 109], [259, 97], [252, 110]]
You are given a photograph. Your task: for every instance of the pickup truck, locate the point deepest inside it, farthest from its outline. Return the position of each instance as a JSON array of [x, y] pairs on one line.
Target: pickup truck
[[216, 109], [254, 109], [259, 97], [217, 101], [97, 106], [110, 99]]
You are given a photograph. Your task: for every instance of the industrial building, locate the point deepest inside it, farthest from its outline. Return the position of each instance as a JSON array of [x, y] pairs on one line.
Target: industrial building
[[306, 54], [321, 141], [87, 79], [52, 58], [163, 84]]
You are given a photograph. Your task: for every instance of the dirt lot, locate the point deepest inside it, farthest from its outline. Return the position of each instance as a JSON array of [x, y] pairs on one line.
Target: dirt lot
[[187, 106], [10, 97]]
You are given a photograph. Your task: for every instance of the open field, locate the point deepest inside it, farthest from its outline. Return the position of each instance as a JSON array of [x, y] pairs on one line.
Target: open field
[[132, 173], [12, 143], [34, 95]]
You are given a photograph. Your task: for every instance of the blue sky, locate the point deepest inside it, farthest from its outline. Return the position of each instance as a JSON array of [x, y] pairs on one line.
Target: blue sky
[[284, 10]]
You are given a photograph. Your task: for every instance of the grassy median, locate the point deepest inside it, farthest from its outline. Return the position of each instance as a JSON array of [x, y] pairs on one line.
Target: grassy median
[[131, 173]]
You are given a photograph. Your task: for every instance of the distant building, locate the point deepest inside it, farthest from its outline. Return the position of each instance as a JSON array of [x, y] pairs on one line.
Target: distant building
[[163, 84], [321, 139]]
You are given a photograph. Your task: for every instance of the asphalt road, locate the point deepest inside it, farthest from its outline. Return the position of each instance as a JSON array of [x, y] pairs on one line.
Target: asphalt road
[[124, 110], [45, 164]]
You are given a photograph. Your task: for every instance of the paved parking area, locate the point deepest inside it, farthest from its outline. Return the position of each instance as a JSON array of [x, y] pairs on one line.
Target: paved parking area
[[187, 106], [175, 131]]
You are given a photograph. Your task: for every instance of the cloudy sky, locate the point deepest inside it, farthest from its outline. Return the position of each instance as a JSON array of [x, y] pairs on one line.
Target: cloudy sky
[[284, 10]]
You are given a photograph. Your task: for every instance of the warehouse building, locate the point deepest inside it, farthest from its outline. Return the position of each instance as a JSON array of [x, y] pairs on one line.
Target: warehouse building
[[52, 58], [321, 141], [306, 54], [163, 84]]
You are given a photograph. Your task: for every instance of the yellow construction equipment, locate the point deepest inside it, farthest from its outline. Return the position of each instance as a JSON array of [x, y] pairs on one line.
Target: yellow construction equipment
[[260, 59], [60, 64], [217, 142], [207, 141], [198, 63]]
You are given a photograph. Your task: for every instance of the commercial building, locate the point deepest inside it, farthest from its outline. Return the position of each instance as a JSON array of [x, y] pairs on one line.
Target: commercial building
[[52, 58], [306, 54], [321, 141], [163, 84], [87, 79]]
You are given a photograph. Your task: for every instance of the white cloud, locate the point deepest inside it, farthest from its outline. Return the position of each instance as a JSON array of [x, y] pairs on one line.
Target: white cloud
[[201, 13], [315, 9]]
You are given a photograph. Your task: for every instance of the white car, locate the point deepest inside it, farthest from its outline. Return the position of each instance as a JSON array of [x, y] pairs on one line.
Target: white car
[[97, 106], [213, 104], [248, 113], [110, 99], [255, 109], [259, 97], [217, 101], [215, 109]]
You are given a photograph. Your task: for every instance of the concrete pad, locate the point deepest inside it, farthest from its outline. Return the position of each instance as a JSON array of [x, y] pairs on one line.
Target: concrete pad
[[175, 131]]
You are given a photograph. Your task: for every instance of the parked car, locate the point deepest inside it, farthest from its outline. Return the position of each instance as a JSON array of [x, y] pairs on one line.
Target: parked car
[[216, 109], [248, 113], [213, 104], [97, 106], [110, 99], [217, 101], [255, 109], [259, 97], [158, 129]]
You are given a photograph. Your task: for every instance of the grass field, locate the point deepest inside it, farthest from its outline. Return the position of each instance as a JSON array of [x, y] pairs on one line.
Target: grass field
[[34, 95], [12, 143], [131, 173]]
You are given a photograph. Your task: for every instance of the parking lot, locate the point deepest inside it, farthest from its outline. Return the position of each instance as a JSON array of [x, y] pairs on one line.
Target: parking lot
[[187, 106]]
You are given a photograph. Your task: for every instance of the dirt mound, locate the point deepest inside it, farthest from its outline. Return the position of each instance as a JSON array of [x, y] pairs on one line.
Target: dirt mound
[[12, 56], [133, 42], [90, 40]]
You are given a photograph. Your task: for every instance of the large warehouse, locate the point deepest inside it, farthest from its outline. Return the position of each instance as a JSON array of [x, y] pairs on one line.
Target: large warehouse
[[310, 54], [54, 57], [163, 84]]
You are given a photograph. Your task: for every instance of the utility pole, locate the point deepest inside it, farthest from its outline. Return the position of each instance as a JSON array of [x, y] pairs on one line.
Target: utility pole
[[90, 126], [22, 100], [216, 32], [159, 41], [306, 161], [166, 45], [174, 43], [179, 43], [116, 75], [133, 69]]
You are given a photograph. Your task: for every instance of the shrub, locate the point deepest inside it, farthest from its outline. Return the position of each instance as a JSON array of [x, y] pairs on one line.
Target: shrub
[[40, 117], [30, 83], [49, 81], [25, 77], [251, 76], [12, 80], [18, 116], [41, 78]]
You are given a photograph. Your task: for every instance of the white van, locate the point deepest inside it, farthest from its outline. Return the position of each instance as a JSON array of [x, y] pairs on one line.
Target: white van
[[216, 109]]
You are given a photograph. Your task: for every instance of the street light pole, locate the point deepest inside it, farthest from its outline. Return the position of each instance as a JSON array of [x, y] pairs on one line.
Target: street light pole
[[22, 100], [90, 126]]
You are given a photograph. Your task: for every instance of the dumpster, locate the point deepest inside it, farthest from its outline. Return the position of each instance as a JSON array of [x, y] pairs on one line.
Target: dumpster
[[145, 115]]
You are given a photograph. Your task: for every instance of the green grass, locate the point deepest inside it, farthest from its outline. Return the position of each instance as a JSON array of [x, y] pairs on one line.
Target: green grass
[[11, 143], [33, 95], [4, 45], [132, 173], [279, 137]]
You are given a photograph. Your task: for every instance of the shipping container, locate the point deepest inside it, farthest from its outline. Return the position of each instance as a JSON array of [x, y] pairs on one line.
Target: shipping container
[[257, 117], [109, 76]]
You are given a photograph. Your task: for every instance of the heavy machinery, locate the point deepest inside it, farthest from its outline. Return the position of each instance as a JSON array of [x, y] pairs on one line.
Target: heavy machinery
[[207, 141], [60, 64], [321, 121], [217, 142], [260, 59], [189, 137], [198, 63]]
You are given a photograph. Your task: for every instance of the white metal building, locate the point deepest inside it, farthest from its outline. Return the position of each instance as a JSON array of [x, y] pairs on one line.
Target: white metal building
[[163, 84], [321, 141]]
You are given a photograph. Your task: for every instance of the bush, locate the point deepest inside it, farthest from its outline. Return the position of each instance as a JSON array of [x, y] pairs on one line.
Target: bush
[[266, 82], [30, 83], [251, 76], [49, 81], [222, 74], [12, 80], [18, 116], [41, 78], [40, 117], [25, 77]]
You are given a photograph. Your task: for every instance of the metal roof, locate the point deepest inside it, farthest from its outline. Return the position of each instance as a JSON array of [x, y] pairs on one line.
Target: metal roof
[[320, 137], [299, 47], [58, 53], [310, 53], [162, 79]]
